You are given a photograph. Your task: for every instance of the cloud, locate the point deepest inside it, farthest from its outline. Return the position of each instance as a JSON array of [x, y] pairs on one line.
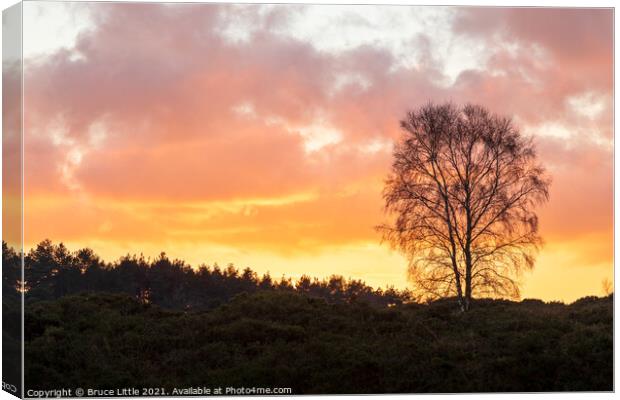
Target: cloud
[[545, 52]]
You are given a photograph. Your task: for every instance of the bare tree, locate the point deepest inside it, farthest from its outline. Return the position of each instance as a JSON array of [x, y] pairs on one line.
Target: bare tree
[[608, 287], [463, 187]]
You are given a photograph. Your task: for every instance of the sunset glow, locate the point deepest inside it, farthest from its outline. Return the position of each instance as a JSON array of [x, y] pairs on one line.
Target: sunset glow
[[262, 135]]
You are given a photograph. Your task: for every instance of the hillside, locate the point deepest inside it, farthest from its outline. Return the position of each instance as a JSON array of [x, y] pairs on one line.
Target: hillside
[[286, 339]]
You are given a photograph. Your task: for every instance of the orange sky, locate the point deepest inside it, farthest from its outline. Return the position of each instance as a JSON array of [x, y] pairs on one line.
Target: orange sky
[[260, 135]]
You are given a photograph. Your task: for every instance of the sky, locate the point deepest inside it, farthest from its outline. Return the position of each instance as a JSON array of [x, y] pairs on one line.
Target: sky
[[261, 135]]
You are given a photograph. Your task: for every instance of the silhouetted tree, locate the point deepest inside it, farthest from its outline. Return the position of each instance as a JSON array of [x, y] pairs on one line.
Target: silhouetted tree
[[11, 270], [131, 276], [266, 283], [608, 287], [304, 284], [463, 187]]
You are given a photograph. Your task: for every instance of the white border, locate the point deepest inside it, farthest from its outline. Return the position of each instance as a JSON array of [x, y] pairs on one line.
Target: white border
[[506, 3]]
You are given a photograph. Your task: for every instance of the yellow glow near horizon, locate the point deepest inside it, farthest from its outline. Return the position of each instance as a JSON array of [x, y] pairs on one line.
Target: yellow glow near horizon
[[552, 279], [234, 232]]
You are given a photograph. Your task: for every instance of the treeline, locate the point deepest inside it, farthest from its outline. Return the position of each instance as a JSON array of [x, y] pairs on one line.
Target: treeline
[[52, 271]]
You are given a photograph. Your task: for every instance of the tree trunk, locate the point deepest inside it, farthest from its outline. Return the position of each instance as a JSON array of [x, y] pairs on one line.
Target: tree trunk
[[467, 279], [459, 291], [467, 250]]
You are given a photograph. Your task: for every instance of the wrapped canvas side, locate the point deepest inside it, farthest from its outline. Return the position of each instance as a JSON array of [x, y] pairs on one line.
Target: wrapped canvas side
[[12, 202]]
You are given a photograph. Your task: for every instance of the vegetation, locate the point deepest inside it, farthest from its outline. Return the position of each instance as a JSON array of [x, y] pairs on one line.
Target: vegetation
[[141, 323], [286, 339], [463, 187]]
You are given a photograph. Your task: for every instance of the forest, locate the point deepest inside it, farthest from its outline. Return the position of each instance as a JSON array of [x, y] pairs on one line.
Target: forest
[[159, 323]]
